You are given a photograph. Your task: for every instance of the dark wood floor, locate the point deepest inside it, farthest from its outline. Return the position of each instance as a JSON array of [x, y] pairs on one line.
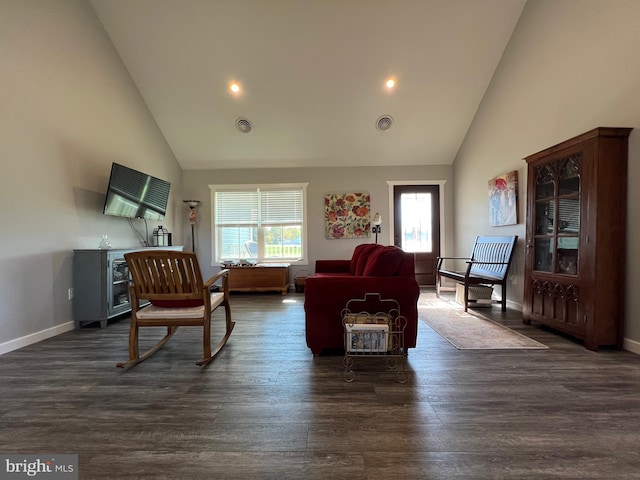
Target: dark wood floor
[[266, 408]]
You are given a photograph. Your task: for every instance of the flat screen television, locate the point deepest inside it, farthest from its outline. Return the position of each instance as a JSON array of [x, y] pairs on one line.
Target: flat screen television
[[134, 194]]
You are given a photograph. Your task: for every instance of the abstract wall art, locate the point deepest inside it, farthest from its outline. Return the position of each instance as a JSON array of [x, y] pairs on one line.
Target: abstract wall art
[[503, 199]]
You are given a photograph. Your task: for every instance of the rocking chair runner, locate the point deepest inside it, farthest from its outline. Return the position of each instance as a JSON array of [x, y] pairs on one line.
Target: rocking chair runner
[[172, 282]]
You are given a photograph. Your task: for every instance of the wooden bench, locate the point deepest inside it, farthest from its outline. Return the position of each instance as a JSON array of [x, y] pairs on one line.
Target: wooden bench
[[488, 265]]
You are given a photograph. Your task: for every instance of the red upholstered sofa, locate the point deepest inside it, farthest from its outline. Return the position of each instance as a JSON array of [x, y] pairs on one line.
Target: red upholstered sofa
[[373, 268]]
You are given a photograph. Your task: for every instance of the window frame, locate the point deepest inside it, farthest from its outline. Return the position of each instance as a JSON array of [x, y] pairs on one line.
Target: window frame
[[302, 186]]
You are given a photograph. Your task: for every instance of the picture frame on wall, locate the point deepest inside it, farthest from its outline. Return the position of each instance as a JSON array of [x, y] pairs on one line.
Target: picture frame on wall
[[503, 199], [347, 215]]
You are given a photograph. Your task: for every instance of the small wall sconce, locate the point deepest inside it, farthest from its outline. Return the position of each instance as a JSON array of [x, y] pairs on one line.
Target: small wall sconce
[[376, 225]]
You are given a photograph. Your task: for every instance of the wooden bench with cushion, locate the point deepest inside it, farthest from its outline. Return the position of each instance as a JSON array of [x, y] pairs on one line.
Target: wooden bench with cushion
[[488, 265]]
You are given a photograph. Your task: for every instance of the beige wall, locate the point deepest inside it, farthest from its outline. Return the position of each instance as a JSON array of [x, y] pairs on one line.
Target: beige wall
[[321, 181], [68, 110], [569, 67]]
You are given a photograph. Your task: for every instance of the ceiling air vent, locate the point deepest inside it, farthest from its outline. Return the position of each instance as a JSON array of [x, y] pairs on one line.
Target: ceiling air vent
[[244, 125], [384, 123]]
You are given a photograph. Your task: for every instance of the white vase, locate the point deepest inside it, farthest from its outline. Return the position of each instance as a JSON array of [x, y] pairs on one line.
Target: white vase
[[104, 244]]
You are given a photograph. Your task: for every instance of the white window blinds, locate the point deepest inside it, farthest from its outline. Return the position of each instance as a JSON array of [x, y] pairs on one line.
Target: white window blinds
[[259, 222]]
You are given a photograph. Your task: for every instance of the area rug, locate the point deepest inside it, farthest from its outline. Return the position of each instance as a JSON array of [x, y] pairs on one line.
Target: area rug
[[469, 330]]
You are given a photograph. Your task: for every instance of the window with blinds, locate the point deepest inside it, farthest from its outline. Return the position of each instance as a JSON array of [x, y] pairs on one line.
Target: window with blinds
[[260, 223]]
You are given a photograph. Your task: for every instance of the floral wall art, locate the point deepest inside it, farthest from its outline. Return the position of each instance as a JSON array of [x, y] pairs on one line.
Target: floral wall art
[[503, 199], [347, 215]]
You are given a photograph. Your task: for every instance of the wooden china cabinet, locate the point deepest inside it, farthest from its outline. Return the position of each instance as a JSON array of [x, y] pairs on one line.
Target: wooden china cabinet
[[576, 231]]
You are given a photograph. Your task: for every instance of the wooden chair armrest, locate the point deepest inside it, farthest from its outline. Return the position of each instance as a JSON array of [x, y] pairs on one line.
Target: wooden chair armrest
[[216, 277]]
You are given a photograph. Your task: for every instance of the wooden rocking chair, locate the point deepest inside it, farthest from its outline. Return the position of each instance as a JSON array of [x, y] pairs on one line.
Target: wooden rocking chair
[[172, 282]]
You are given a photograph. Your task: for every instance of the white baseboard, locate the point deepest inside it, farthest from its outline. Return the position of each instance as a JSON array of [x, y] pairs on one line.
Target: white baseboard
[[513, 305], [631, 345], [36, 337]]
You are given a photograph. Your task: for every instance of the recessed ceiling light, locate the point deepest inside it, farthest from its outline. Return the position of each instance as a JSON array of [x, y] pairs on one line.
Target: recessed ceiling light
[[234, 87], [390, 83]]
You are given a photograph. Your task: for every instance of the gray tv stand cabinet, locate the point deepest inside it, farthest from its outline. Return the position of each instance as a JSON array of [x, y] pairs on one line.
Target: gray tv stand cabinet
[[101, 284]]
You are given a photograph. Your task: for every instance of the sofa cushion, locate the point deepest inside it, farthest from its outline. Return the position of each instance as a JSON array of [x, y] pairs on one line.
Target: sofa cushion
[[360, 257], [384, 262]]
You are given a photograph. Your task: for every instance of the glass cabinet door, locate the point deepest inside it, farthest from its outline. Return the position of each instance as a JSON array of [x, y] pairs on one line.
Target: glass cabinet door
[[119, 283], [557, 215]]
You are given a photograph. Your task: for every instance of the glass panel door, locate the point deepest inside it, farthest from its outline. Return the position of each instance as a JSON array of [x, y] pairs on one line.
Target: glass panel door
[[416, 227], [543, 255], [557, 216], [416, 223], [120, 283]]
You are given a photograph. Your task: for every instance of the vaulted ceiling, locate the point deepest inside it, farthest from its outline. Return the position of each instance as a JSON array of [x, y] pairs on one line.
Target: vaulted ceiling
[[312, 76]]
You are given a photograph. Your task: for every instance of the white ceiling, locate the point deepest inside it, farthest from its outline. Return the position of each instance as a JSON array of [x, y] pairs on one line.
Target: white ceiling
[[312, 73]]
